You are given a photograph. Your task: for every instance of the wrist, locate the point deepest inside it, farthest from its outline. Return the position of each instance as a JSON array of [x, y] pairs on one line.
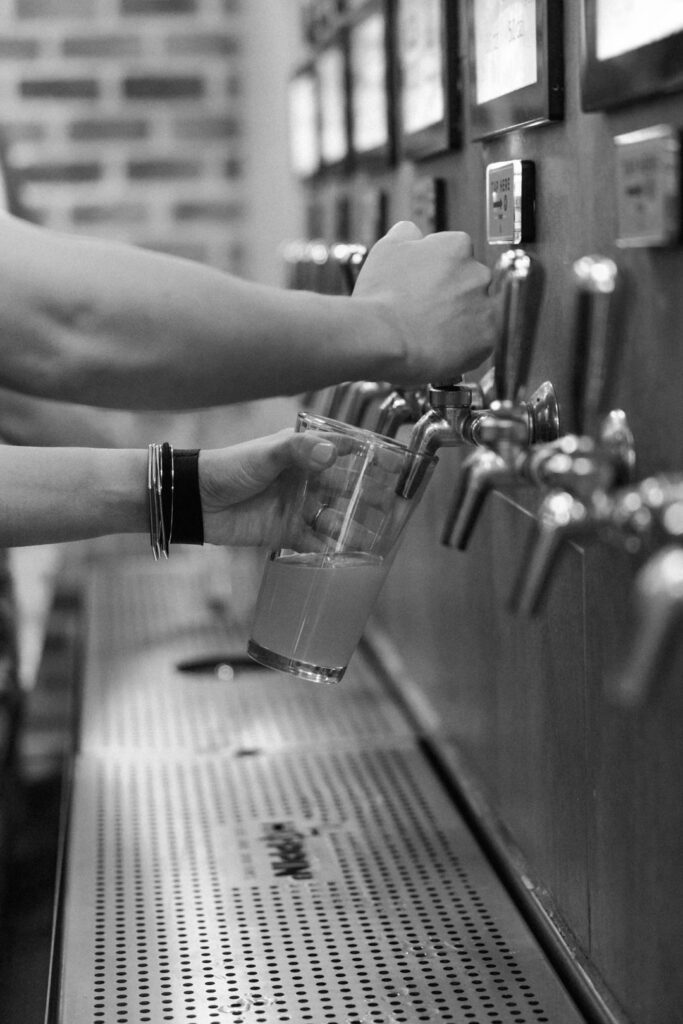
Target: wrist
[[187, 524], [376, 338]]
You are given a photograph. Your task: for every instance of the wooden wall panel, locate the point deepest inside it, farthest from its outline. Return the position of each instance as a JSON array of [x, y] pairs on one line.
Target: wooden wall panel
[[589, 792]]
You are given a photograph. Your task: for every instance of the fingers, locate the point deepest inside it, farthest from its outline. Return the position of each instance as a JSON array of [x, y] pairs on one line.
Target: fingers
[[338, 525], [270, 456], [458, 243], [403, 231]]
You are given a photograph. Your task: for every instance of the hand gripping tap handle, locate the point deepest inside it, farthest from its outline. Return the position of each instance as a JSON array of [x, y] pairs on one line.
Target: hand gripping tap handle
[[595, 279], [517, 283]]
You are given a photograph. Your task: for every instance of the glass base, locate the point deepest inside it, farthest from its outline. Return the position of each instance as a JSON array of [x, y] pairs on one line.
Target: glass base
[[314, 673]]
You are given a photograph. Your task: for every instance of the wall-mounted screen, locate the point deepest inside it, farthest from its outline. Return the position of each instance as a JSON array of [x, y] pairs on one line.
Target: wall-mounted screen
[[516, 64], [304, 140], [370, 99], [428, 66], [332, 80], [632, 49]]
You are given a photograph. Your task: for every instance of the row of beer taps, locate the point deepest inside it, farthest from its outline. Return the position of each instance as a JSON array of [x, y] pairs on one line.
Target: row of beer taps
[[585, 476]]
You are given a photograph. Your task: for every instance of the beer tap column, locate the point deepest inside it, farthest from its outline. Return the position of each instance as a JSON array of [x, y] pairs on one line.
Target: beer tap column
[[510, 424], [579, 471], [650, 515]]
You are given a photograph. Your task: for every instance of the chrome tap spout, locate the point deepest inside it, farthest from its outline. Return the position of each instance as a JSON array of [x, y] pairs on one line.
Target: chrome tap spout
[[444, 425]]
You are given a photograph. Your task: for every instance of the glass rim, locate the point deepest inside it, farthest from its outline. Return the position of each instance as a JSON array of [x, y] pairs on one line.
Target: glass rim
[[361, 434]]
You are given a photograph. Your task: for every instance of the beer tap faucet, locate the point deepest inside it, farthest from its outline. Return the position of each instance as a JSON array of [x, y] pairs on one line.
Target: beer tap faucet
[[511, 424], [446, 423], [580, 471], [647, 517], [456, 414]]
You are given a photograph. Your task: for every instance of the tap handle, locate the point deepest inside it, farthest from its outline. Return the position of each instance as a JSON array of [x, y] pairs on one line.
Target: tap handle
[[487, 387], [517, 281], [595, 279], [560, 515], [659, 600], [336, 400], [360, 396], [293, 257]]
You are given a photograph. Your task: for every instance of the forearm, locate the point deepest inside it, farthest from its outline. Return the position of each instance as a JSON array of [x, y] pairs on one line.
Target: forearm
[[118, 326], [60, 494], [27, 420]]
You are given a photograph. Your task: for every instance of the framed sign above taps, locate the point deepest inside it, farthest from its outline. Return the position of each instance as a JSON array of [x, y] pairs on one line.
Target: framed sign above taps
[[304, 122], [429, 102], [516, 65], [372, 85], [630, 50]]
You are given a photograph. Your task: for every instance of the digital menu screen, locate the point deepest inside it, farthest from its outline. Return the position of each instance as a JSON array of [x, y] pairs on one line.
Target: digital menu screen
[[505, 47], [304, 143], [421, 48], [332, 83], [369, 100], [623, 25]]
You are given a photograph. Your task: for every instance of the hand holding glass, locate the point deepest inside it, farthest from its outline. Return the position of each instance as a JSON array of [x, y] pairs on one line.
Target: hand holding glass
[[343, 524]]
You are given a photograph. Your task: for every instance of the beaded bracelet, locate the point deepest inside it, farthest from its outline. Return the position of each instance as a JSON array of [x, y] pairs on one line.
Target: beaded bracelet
[[175, 507]]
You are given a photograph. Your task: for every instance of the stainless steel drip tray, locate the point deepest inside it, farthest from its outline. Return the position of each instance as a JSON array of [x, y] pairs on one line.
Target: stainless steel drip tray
[[327, 885]]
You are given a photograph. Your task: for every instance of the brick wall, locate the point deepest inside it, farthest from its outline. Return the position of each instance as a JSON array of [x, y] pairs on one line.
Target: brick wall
[[125, 118]]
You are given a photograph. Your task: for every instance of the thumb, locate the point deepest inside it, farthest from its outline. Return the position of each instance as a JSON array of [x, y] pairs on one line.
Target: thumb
[[403, 231], [311, 452], [286, 449]]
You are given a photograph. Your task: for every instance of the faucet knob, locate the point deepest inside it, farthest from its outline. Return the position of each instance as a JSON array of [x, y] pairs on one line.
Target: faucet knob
[[659, 601], [518, 281]]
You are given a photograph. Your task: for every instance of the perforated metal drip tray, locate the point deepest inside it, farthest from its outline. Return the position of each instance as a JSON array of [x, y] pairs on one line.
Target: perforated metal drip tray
[[301, 885]]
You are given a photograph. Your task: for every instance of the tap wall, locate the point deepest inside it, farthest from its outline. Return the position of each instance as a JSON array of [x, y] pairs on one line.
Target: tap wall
[[587, 791]]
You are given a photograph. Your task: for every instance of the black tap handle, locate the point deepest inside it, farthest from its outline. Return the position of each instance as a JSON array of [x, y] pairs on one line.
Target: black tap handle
[[517, 281], [595, 279]]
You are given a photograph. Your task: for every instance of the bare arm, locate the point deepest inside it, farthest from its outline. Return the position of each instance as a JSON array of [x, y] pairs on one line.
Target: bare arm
[[59, 494], [83, 320], [51, 495]]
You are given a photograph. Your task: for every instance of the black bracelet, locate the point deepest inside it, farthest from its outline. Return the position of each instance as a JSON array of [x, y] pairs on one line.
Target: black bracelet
[[188, 520]]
